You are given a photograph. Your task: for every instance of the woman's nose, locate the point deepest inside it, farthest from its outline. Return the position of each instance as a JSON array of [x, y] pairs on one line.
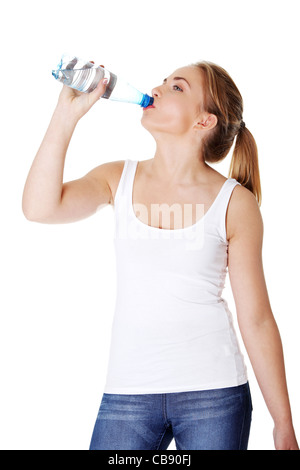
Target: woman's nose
[[156, 91]]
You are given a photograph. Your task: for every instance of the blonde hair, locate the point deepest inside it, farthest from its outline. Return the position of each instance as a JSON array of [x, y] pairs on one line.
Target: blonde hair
[[223, 99]]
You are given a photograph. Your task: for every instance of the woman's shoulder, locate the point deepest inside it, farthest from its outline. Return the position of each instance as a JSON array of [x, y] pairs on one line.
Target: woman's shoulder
[[114, 173], [242, 209]]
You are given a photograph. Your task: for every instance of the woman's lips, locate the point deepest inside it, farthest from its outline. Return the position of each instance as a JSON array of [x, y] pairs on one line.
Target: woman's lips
[[149, 107]]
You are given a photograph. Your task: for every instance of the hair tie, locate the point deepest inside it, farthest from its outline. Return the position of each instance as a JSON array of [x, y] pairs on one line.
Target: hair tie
[[243, 125]]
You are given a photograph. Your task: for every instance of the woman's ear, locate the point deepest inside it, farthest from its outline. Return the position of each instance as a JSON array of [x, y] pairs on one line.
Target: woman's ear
[[206, 122]]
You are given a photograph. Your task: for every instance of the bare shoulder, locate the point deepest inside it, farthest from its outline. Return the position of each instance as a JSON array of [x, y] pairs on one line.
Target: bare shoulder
[[114, 173], [243, 214], [110, 172]]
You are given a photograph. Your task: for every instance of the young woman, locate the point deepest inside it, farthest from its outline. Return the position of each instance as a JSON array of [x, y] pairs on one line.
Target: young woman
[[175, 368]]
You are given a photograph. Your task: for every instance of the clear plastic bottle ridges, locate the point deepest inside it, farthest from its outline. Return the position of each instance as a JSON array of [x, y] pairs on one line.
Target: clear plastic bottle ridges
[[85, 76]]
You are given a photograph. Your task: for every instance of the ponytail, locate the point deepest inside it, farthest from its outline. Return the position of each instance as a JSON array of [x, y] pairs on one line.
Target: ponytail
[[244, 163], [223, 99]]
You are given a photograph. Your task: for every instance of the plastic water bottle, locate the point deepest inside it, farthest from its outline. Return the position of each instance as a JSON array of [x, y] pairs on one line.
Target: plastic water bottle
[[85, 76]]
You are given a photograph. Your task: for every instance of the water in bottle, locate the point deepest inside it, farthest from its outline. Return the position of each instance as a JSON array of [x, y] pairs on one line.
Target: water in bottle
[[85, 76]]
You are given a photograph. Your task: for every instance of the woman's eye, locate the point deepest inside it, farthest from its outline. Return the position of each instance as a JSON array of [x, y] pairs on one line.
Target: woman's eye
[[175, 86]]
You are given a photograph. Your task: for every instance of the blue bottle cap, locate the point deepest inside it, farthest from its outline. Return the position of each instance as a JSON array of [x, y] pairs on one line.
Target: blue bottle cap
[[147, 101]]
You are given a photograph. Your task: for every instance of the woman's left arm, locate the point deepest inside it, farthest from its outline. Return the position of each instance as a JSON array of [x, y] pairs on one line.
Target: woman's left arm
[[255, 318]]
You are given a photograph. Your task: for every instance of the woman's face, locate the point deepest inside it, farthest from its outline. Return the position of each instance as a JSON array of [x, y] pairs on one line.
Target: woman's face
[[177, 103]]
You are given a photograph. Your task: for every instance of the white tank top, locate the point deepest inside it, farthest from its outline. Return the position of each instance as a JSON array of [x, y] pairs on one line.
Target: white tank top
[[172, 331]]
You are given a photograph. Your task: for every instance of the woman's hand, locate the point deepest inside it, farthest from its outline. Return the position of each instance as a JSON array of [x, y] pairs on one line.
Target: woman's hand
[[76, 103], [284, 438]]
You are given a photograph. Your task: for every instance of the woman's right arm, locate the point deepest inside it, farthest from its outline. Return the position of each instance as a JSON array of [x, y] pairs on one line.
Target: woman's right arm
[[45, 198]]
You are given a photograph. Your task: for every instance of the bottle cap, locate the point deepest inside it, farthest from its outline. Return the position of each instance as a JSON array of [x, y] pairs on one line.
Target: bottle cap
[[146, 101]]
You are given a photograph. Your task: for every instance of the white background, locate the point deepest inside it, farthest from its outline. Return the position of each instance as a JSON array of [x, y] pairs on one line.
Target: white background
[[58, 282]]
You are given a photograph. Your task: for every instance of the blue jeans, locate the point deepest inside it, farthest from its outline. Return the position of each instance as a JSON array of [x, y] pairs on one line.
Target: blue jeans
[[202, 420]]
